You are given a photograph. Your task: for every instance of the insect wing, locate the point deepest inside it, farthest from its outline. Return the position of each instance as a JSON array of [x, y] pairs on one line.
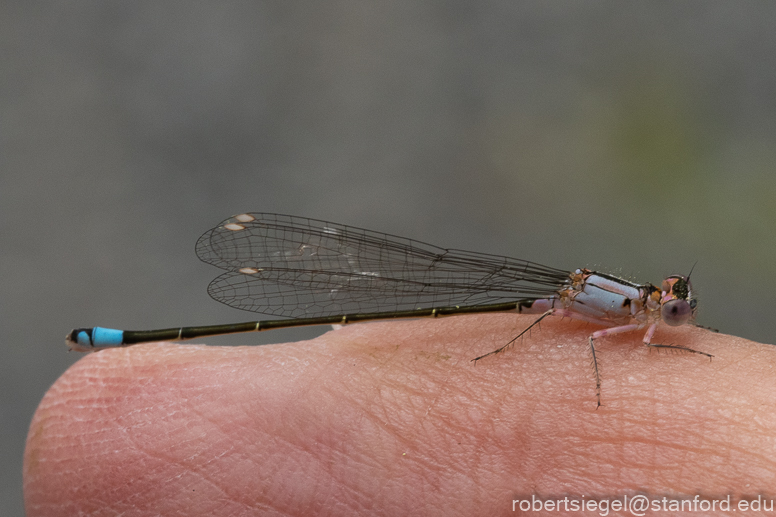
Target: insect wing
[[298, 267]]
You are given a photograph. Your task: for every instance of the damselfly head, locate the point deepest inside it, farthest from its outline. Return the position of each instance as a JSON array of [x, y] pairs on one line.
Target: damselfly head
[[677, 303]]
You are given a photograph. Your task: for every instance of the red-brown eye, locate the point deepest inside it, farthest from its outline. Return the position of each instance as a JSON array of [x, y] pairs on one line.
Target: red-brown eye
[[676, 312]]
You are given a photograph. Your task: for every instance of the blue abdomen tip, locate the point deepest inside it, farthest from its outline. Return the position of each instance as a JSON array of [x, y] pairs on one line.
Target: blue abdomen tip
[[102, 337]]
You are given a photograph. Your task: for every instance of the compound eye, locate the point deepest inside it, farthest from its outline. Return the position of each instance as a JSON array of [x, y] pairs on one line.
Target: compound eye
[[676, 312]]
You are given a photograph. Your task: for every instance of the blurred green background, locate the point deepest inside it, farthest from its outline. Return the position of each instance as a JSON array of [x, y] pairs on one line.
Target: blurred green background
[[635, 138]]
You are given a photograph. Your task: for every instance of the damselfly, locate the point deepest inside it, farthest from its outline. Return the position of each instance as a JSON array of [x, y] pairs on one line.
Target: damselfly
[[319, 273]]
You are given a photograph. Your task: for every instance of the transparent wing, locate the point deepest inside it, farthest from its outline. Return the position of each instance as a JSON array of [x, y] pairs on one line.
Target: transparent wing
[[297, 267]]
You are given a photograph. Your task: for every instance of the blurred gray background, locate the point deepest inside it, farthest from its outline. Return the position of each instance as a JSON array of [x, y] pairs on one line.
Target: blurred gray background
[[636, 138]]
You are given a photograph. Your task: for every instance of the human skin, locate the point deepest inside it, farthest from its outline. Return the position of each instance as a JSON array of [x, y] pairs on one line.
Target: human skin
[[393, 418]]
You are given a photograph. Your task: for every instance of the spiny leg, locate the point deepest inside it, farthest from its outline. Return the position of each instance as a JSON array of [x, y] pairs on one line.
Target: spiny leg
[[704, 327], [651, 332], [599, 334], [532, 325], [647, 339], [677, 347], [597, 376]]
